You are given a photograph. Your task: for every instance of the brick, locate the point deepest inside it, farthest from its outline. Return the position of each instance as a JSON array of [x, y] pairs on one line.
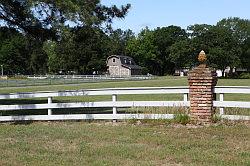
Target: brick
[[201, 89]]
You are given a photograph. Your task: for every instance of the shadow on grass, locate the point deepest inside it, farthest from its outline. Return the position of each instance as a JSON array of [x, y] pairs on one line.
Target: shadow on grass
[[22, 122], [45, 111]]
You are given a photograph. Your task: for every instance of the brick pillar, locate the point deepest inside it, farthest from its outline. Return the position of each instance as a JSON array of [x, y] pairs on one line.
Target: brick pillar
[[201, 89]]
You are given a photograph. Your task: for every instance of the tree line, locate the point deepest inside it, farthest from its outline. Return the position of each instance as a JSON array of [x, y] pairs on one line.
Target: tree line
[[48, 37]]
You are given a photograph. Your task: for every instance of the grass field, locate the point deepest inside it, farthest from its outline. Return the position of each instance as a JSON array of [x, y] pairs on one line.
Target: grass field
[[160, 82], [79, 143], [123, 143]]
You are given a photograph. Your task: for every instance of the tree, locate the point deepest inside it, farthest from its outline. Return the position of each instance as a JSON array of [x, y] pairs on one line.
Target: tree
[[181, 54], [197, 30], [240, 28], [143, 50], [219, 43], [118, 40], [82, 50], [152, 48], [245, 56], [164, 38], [49, 47], [241, 31], [43, 19], [14, 55]]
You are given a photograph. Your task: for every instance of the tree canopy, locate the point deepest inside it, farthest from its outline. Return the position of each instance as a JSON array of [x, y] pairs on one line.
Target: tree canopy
[[45, 36]]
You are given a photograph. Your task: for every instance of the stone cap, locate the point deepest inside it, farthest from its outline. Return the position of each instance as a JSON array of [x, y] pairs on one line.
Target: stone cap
[[202, 58]]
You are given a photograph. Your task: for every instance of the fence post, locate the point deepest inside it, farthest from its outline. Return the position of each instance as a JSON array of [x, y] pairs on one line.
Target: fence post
[[202, 81], [114, 99], [49, 102], [185, 97], [221, 99]]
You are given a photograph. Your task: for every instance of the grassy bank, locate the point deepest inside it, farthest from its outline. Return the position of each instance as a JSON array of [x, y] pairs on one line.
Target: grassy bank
[[77, 143]]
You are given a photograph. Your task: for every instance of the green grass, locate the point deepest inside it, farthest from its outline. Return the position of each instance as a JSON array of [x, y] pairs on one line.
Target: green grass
[[104, 143], [162, 81], [78, 143]]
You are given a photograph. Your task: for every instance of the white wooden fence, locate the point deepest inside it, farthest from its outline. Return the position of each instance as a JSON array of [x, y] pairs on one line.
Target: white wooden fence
[[114, 104]]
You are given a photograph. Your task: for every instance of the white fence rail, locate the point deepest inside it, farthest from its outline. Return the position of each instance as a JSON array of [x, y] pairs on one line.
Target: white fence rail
[[114, 104]]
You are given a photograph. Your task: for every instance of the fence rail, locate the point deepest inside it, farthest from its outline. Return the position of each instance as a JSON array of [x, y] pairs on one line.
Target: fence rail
[[114, 104]]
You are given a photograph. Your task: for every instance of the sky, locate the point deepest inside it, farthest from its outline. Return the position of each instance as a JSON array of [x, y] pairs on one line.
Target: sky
[[162, 13]]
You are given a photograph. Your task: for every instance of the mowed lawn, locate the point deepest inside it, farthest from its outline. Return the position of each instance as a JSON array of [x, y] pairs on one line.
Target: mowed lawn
[[160, 82], [104, 143], [122, 143]]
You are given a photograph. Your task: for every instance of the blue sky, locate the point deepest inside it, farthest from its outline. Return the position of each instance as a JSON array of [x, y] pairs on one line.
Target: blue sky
[[159, 13]]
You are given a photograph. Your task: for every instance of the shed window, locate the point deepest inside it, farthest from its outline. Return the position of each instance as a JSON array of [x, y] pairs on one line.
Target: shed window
[[113, 59]]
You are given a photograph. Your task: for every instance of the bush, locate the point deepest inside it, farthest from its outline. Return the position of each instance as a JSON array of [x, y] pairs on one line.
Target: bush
[[244, 76], [216, 118], [182, 119], [17, 77]]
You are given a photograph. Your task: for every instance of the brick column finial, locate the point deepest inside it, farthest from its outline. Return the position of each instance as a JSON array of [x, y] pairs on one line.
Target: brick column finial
[[202, 81]]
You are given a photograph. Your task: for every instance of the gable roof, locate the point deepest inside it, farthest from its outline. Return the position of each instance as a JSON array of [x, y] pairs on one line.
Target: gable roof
[[126, 61]]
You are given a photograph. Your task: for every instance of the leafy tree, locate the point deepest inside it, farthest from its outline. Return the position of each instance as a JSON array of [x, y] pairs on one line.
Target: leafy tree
[[144, 51], [14, 55], [198, 30], [181, 54], [241, 31], [239, 27], [43, 18], [245, 56], [164, 38], [220, 45], [152, 48], [82, 50], [118, 40], [49, 47]]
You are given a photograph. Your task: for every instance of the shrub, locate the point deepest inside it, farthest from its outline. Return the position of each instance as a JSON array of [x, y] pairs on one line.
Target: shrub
[[182, 119], [244, 76], [216, 118]]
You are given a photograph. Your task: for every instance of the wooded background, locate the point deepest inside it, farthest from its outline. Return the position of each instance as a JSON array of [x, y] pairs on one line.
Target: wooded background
[[45, 37]]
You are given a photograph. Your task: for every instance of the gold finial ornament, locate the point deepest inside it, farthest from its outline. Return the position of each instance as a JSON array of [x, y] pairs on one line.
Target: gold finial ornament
[[202, 57]]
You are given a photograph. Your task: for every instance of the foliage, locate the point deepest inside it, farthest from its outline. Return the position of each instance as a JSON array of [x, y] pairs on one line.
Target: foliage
[[219, 43], [49, 47], [144, 51], [118, 40], [244, 76], [216, 118], [81, 51], [180, 53], [44, 21], [181, 118], [14, 54], [164, 38], [152, 48], [76, 37], [241, 32]]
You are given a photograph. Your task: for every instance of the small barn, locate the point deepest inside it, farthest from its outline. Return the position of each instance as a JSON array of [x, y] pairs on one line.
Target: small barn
[[122, 66]]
